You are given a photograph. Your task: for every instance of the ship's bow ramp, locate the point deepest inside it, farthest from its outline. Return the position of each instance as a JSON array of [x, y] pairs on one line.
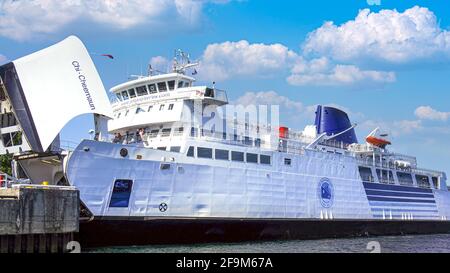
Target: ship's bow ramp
[[48, 88]]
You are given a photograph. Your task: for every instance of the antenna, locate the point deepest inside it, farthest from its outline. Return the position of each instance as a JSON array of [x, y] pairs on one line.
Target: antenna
[[181, 62]]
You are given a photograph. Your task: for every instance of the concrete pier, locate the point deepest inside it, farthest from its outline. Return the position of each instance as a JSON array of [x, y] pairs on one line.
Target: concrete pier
[[38, 219]]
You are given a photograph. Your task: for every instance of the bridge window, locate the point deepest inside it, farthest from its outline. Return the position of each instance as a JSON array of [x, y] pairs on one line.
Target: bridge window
[[190, 151], [204, 152], [252, 158], [141, 91], [152, 88], [161, 148], [161, 107], [186, 84], [175, 149], [366, 174], [180, 84], [150, 107], [422, 181], [162, 87], [171, 85], [264, 159], [120, 197], [405, 178], [119, 96], [132, 93], [237, 156], [125, 95], [222, 154], [171, 106]]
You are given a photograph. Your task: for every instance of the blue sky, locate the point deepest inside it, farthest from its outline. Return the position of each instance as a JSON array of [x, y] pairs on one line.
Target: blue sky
[[397, 55]]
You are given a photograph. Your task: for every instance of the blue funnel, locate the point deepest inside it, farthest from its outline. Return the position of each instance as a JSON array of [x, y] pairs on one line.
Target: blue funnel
[[332, 121]]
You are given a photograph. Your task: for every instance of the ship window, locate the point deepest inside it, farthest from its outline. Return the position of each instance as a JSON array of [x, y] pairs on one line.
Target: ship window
[[252, 158], [119, 96], [154, 133], [125, 95], [12, 139], [139, 110], [366, 174], [287, 161], [141, 91], [190, 151], [162, 87], [237, 156], [257, 142], [120, 197], [150, 108], [179, 131], [171, 85], [126, 113], [404, 178], [264, 159], [204, 152], [7, 120], [171, 106], [161, 148], [248, 140], [422, 181], [132, 93], [118, 115], [186, 84], [435, 181], [194, 132], [180, 84], [165, 132], [161, 107], [175, 149], [152, 88], [222, 154], [384, 176]]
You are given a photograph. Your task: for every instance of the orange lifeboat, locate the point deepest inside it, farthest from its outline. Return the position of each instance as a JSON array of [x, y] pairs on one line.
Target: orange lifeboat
[[379, 142]]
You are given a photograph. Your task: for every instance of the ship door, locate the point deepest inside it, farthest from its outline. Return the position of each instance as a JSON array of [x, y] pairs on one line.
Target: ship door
[[120, 197]]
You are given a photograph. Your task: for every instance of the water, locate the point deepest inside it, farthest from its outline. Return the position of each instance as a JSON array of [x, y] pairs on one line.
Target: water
[[388, 244]]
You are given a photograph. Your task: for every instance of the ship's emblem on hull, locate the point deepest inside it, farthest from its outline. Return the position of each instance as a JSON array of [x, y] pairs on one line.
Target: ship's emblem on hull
[[162, 207], [326, 192]]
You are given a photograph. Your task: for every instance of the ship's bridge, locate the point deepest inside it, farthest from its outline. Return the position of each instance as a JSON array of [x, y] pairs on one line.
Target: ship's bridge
[[158, 99]]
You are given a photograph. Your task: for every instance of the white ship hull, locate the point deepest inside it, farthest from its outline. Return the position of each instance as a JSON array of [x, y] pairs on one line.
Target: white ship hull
[[169, 188]]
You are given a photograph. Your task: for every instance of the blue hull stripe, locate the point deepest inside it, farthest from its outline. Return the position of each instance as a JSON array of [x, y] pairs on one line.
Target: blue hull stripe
[[376, 198], [400, 194], [397, 217], [377, 186]]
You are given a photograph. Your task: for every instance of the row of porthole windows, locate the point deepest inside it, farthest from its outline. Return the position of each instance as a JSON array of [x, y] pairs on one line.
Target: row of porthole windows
[[149, 109], [150, 89], [221, 154]]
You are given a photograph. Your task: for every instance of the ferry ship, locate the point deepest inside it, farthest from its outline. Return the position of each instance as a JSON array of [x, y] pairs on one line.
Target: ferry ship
[[166, 177]]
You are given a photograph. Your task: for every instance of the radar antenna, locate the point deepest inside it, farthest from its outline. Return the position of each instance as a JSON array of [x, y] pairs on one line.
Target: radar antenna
[[181, 62]]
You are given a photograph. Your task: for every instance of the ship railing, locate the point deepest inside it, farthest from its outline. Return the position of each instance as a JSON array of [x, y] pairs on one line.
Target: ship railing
[[8, 181]]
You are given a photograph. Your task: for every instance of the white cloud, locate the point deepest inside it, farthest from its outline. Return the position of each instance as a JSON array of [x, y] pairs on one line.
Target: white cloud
[[160, 63], [394, 128], [228, 59], [388, 35], [321, 71], [25, 19], [427, 112]]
